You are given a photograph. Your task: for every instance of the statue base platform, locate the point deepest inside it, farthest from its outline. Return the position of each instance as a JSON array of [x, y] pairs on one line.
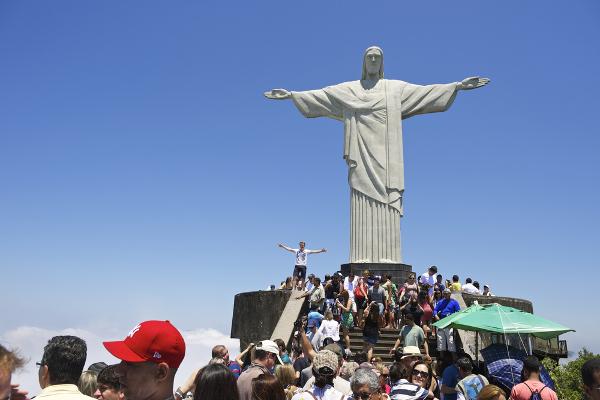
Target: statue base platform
[[399, 272]]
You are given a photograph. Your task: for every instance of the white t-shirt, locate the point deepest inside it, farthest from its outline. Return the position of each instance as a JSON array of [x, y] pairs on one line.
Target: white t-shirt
[[301, 255], [350, 285], [427, 279], [329, 329], [469, 288], [340, 387]]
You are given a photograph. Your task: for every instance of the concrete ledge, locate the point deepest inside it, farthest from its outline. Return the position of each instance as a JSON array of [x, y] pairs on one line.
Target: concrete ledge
[[255, 314], [399, 272], [519, 304]]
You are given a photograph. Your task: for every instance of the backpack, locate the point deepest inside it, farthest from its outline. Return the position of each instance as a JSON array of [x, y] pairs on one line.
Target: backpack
[[472, 387], [537, 394], [357, 293]]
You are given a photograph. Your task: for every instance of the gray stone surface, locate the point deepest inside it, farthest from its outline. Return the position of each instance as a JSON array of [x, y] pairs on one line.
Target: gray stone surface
[[398, 271], [255, 315], [285, 326], [520, 304]]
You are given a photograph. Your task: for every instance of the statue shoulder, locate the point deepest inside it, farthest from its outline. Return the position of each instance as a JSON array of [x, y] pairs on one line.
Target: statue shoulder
[[395, 83], [344, 85], [341, 90]]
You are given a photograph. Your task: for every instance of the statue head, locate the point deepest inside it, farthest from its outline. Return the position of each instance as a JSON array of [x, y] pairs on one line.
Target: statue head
[[372, 63]]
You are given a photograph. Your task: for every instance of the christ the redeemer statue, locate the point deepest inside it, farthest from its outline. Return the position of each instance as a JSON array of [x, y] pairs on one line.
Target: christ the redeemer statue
[[372, 110]]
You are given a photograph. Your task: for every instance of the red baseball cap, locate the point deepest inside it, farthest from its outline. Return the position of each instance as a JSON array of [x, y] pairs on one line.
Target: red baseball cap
[[156, 341]]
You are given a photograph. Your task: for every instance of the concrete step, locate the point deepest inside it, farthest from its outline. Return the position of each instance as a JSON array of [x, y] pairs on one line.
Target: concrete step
[[381, 342], [285, 325], [381, 335]]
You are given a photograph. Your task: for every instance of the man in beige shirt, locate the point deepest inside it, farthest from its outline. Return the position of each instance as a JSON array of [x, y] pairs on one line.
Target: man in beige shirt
[[60, 368], [316, 296], [266, 355]]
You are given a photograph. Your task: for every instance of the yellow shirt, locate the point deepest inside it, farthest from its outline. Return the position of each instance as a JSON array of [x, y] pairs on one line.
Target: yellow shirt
[[455, 287]]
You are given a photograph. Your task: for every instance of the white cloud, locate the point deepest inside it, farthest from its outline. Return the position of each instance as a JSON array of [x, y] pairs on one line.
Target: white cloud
[[199, 344], [30, 342]]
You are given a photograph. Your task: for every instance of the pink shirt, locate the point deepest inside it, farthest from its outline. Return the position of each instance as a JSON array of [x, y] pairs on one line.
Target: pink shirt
[[427, 312], [521, 392]]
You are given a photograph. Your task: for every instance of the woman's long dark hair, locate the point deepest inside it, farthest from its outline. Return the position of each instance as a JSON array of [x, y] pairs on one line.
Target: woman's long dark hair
[[267, 387], [373, 313], [215, 382]]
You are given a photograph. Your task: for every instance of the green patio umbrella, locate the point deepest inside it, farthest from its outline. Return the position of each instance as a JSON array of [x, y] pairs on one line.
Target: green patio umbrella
[[497, 318], [445, 322]]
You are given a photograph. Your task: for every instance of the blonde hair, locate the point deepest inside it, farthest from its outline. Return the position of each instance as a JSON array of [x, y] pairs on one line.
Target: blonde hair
[[380, 366], [88, 383], [9, 360], [328, 315], [490, 392], [286, 375]]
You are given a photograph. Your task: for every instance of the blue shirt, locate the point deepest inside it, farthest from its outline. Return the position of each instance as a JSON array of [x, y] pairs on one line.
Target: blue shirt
[[286, 358], [446, 307], [316, 317], [450, 378], [235, 368]]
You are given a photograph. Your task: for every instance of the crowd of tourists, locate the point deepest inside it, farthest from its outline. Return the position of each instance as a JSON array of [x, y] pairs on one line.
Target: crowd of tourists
[[316, 364], [338, 304], [152, 352]]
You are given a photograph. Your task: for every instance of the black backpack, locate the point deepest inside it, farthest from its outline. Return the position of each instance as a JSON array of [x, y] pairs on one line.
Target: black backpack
[[537, 394]]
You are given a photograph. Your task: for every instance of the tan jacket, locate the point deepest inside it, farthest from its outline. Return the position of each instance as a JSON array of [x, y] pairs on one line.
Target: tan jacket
[[62, 392], [244, 382]]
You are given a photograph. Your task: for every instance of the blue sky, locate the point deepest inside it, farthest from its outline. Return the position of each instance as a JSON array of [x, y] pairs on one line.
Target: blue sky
[[143, 175]]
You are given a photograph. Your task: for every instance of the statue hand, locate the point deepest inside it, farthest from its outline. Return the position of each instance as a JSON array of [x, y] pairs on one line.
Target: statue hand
[[278, 94], [472, 83]]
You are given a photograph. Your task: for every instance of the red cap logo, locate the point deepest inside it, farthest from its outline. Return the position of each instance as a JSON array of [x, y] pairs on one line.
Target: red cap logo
[[155, 341]]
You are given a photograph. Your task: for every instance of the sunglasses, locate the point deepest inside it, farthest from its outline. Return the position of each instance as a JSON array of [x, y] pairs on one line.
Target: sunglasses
[[361, 396], [422, 374]]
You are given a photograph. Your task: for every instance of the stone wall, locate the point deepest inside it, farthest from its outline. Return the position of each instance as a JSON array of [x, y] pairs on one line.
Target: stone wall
[[399, 272], [255, 315], [519, 304]]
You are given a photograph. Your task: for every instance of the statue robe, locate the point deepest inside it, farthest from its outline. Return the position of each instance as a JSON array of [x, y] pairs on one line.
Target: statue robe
[[374, 153]]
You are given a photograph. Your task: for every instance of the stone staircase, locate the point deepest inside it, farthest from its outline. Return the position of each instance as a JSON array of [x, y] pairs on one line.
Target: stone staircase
[[387, 339]]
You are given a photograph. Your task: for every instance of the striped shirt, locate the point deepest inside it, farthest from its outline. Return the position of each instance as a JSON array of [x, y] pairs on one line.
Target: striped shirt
[[404, 390]]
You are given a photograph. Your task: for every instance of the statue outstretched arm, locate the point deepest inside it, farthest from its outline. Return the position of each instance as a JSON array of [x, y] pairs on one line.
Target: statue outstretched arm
[[278, 94], [473, 82], [311, 103]]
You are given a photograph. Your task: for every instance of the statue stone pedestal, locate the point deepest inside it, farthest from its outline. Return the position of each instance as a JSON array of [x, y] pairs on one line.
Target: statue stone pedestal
[[399, 272]]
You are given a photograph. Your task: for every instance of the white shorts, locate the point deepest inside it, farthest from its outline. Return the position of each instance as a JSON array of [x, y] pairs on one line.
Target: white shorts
[[445, 340], [353, 306]]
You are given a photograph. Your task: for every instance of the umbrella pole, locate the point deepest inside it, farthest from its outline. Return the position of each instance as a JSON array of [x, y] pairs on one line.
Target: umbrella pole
[[477, 347]]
